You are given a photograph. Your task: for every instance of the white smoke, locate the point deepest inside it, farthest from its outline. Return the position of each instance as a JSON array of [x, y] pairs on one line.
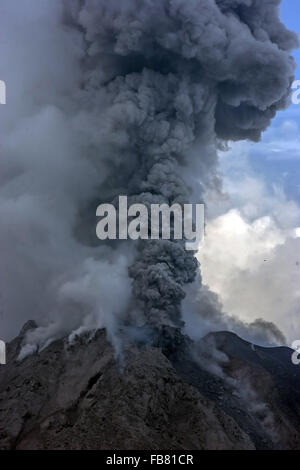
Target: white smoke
[[48, 172]]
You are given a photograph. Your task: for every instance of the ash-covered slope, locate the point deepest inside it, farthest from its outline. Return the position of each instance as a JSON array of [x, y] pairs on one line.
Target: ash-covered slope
[[171, 395]]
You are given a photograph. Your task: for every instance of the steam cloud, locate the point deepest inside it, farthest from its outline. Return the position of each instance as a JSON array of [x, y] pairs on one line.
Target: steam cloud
[[122, 97]]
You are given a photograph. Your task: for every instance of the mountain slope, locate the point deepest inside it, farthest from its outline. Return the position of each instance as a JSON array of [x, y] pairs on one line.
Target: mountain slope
[[78, 396]]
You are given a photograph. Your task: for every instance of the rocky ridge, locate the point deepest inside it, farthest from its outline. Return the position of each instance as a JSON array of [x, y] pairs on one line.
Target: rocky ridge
[[169, 394]]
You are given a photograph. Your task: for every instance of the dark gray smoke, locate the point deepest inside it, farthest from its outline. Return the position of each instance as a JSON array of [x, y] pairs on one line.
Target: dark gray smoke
[[112, 98], [176, 73]]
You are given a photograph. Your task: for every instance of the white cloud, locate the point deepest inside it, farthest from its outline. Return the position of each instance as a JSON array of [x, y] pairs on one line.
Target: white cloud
[[251, 253]]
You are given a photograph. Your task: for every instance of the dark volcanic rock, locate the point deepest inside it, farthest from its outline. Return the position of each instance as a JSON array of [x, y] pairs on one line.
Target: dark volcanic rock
[[77, 396]]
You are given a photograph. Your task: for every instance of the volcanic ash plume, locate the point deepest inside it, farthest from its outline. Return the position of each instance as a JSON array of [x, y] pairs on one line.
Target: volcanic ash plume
[[176, 73], [157, 84]]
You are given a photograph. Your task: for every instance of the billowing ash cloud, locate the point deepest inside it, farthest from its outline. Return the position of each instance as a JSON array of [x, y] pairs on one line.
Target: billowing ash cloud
[[152, 85], [175, 68]]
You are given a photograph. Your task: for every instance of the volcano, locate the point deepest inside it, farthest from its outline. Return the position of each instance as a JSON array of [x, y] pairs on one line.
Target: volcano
[[163, 395]]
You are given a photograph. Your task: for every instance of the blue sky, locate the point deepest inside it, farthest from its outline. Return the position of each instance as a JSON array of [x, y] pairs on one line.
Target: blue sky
[[278, 157], [290, 14], [251, 253]]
